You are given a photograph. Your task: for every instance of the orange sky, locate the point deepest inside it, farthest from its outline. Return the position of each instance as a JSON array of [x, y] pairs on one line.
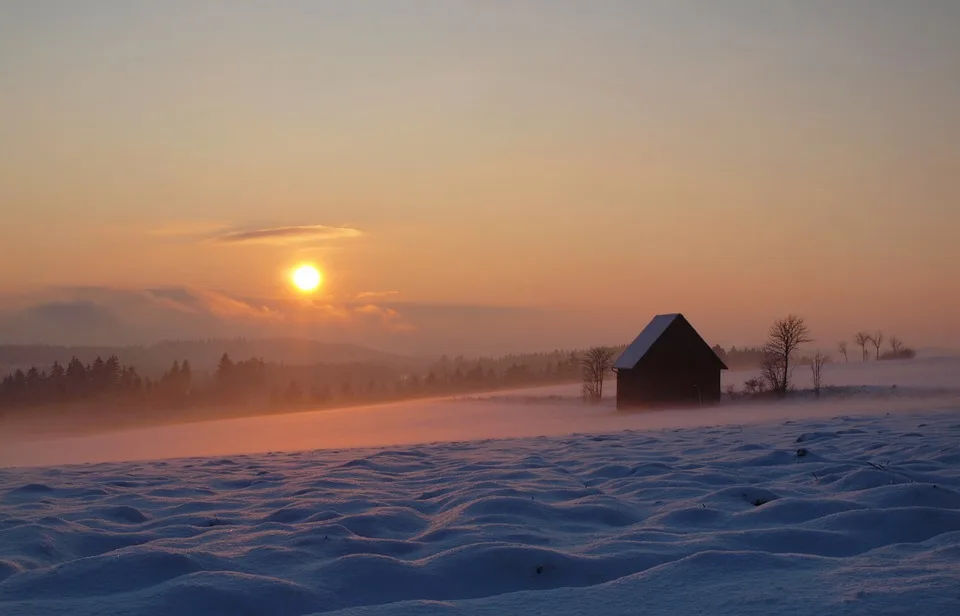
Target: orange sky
[[731, 162]]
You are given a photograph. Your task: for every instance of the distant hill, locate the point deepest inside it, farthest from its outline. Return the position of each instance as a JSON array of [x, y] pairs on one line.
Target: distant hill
[[202, 354]]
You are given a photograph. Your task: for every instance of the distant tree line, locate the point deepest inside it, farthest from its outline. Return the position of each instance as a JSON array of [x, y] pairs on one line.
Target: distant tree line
[[740, 358], [253, 381], [93, 381], [872, 344], [779, 356], [154, 359], [747, 358]]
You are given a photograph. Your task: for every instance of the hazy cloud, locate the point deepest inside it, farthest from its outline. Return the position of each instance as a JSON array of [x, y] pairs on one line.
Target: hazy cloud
[[285, 235], [388, 316], [95, 315], [227, 306], [106, 315], [177, 297], [77, 313], [57, 320], [376, 294]]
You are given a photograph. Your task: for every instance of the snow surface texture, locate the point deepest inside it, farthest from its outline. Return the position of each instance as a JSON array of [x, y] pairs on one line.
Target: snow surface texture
[[844, 515]]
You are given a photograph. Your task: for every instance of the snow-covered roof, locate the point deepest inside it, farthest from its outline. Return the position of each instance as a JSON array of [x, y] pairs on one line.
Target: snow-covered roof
[[639, 347]]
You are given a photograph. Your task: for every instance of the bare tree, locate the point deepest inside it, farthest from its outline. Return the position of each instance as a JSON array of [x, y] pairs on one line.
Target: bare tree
[[877, 339], [862, 339], [588, 392], [842, 345], [595, 365], [896, 347], [731, 390], [816, 367], [784, 338], [771, 371], [754, 386]]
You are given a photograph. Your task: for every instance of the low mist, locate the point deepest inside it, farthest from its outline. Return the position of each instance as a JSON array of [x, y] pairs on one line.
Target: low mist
[[878, 387]]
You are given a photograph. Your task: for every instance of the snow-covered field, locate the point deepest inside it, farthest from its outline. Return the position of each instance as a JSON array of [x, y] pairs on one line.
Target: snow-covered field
[[850, 505]]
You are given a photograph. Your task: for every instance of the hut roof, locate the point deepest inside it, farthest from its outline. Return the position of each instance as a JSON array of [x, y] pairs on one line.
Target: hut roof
[[648, 337]]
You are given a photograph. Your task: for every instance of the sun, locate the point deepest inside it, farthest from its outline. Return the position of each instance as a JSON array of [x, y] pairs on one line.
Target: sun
[[306, 278]]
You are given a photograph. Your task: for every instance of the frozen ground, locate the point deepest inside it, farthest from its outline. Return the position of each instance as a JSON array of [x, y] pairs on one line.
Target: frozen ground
[[845, 515]]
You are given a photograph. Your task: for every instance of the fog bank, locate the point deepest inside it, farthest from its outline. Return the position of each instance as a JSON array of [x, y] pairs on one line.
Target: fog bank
[[860, 389]]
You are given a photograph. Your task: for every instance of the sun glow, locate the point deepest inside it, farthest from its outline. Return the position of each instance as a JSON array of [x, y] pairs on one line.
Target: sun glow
[[306, 278]]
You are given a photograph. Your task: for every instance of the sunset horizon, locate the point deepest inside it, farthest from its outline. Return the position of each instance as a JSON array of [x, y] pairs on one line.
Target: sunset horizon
[[480, 177]]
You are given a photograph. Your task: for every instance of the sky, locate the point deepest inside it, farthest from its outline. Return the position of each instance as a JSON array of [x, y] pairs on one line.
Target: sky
[[478, 176]]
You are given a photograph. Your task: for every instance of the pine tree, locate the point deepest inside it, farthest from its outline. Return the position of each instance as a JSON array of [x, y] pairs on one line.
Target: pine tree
[[111, 374], [98, 376], [19, 386], [225, 370], [186, 377], [56, 382], [76, 378]]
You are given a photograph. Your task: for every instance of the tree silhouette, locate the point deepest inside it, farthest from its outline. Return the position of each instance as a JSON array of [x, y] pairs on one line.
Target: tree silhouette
[[597, 362], [186, 376], [224, 375], [842, 345], [76, 377], [111, 373], [98, 376], [784, 338], [57, 382], [816, 368], [896, 346], [118, 386], [862, 339], [877, 340]]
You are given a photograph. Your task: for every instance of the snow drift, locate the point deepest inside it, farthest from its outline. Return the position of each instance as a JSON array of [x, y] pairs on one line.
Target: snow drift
[[851, 515]]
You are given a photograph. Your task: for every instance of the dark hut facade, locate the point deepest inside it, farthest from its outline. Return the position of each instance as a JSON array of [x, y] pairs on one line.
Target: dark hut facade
[[668, 363]]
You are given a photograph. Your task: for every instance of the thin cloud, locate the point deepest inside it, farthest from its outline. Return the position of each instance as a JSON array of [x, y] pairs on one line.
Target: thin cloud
[[226, 306], [177, 298], [214, 303], [377, 310], [286, 235], [376, 294], [387, 317]]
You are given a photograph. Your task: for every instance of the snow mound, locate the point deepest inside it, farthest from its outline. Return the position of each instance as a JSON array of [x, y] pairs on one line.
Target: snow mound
[[720, 520]]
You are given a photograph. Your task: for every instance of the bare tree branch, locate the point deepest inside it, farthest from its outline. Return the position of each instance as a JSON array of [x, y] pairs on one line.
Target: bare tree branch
[[597, 362], [842, 345], [784, 338], [862, 339], [896, 346], [816, 367], [877, 340]]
